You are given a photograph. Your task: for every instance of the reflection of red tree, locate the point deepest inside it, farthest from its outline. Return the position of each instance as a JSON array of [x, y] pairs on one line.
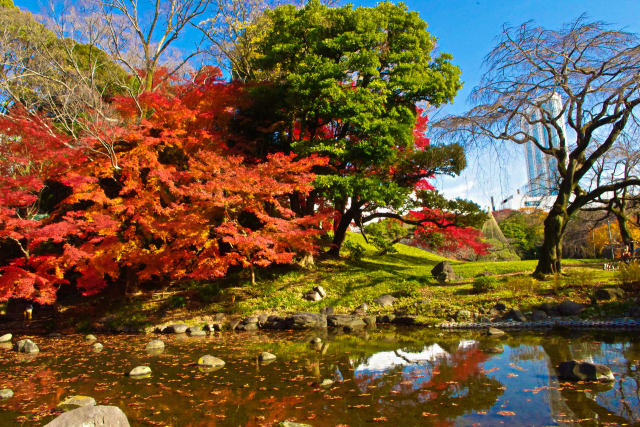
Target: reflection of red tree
[[37, 390]]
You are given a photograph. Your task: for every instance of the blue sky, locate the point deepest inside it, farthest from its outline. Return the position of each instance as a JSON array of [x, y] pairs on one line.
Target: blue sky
[[467, 29]]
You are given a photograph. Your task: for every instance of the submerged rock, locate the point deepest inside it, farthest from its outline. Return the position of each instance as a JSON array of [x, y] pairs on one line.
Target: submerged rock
[[210, 361], [495, 332], [26, 346], [94, 416], [155, 346], [266, 357], [576, 370], [292, 424], [73, 402], [140, 371]]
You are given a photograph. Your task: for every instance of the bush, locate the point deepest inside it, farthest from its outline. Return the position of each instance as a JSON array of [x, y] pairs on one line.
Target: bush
[[629, 273], [484, 284], [356, 250]]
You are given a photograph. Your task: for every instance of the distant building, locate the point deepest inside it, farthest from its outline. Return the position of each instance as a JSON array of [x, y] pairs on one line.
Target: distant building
[[523, 200], [542, 170]]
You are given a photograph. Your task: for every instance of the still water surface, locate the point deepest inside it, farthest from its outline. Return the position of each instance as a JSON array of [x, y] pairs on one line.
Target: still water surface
[[400, 377]]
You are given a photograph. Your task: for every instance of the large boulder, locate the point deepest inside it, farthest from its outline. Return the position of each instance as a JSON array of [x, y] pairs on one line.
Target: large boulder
[[73, 402], [443, 272], [576, 370], [306, 321], [345, 320], [569, 308], [606, 294], [178, 328], [26, 346], [93, 416]]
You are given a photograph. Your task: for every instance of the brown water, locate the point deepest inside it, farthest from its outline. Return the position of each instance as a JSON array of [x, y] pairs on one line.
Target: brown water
[[400, 377]]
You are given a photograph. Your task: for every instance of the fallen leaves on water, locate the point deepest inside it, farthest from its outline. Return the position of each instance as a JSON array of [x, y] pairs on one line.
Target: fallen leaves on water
[[506, 413]]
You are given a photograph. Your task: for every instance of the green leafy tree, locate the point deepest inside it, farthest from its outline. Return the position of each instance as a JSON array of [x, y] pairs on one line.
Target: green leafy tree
[[344, 83]]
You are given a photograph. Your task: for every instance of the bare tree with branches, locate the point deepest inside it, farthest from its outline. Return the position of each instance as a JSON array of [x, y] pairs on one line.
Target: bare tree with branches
[[595, 72]]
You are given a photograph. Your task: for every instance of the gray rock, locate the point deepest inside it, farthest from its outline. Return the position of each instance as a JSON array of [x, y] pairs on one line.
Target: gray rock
[[385, 300], [320, 290], [250, 320], [576, 370], [178, 328], [211, 361], [6, 393], [443, 272], [569, 308], [292, 424], [155, 345], [211, 327], [196, 331], [90, 337], [92, 416], [515, 314], [328, 310], [316, 340], [275, 322], [539, 315], [546, 307], [494, 350], [248, 327], [266, 357], [606, 294], [73, 402], [306, 321], [464, 316], [140, 371], [495, 332], [233, 324], [312, 296], [97, 347], [345, 320], [26, 346], [219, 317], [6, 338]]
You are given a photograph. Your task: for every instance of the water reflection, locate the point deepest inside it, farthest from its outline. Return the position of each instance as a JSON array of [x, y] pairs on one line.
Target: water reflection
[[416, 377]]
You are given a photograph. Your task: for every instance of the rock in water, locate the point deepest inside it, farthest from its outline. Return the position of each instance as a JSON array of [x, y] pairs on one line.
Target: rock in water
[[155, 345], [576, 370], [6, 338], [178, 328], [97, 347], [210, 361], [94, 416], [90, 337], [73, 402], [26, 346], [266, 357], [292, 424], [6, 393], [495, 332], [569, 308], [140, 371]]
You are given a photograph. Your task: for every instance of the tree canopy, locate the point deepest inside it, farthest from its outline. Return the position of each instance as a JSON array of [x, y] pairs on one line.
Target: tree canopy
[[345, 83], [591, 73]]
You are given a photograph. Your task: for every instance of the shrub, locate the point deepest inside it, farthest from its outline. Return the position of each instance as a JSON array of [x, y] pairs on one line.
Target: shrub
[[356, 250], [629, 273], [484, 284]]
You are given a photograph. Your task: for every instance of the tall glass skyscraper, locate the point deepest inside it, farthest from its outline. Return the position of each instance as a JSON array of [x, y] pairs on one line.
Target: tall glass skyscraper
[[542, 170]]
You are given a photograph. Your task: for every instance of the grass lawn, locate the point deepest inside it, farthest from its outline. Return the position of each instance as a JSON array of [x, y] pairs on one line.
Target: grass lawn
[[406, 275]]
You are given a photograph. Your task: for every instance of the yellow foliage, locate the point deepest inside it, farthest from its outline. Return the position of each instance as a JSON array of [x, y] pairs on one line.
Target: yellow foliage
[[599, 237]]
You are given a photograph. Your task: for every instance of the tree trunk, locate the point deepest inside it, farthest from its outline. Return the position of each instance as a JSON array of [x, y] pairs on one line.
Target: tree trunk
[[550, 258], [623, 225], [341, 232]]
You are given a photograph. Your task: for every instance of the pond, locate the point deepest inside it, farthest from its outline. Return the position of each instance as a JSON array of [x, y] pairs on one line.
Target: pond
[[391, 376]]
